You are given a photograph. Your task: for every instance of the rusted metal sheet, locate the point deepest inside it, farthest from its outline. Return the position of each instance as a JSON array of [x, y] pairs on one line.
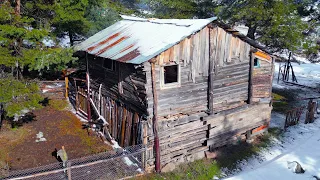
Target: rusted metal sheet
[[137, 40], [263, 55]]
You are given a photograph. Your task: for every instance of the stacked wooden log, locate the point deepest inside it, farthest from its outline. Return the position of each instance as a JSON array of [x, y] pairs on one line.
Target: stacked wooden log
[[181, 137], [184, 138]]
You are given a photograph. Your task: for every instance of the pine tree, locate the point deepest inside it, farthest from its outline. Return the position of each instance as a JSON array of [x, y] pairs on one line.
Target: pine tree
[[18, 95], [274, 23], [22, 41]]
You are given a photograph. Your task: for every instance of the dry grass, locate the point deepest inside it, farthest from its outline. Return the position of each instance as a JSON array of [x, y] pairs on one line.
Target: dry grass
[[9, 139], [73, 127], [58, 104]]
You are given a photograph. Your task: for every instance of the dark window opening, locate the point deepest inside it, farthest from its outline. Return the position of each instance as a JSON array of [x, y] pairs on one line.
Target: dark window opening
[[109, 64], [256, 62], [98, 60], [170, 74]]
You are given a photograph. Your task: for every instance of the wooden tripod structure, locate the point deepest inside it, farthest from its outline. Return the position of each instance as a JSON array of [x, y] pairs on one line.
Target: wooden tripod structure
[[284, 71]]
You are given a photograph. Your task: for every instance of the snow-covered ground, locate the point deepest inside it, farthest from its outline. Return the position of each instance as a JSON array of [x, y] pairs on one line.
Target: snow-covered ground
[[307, 74], [299, 143]]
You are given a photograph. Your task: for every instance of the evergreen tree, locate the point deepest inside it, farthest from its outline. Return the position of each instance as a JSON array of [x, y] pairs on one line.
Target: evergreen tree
[[69, 19], [18, 95], [274, 23], [22, 41]]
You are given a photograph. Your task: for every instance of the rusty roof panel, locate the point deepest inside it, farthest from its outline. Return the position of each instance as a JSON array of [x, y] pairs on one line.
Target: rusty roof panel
[[136, 40]]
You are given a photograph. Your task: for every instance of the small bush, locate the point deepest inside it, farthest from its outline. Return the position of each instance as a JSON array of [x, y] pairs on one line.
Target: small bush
[[58, 104]]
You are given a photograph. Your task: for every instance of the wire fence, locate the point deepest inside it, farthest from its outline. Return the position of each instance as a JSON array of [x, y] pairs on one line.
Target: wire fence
[[119, 164]]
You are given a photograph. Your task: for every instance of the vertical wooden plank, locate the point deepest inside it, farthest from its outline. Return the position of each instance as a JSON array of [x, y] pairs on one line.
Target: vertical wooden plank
[[242, 51], [145, 133], [198, 61], [187, 51], [222, 47], [123, 128], [161, 59], [128, 128], [195, 57], [250, 94], [158, 59], [66, 81], [167, 55], [176, 54], [113, 112], [126, 138], [119, 122], [115, 119], [202, 67], [206, 53], [218, 49], [213, 36], [135, 131]]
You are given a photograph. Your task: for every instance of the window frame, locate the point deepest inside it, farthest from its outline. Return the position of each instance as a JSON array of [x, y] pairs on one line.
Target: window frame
[[258, 62], [163, 85], [113, 64]]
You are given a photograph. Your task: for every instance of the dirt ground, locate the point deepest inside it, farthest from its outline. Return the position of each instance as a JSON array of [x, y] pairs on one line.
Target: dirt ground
[[18, 146]]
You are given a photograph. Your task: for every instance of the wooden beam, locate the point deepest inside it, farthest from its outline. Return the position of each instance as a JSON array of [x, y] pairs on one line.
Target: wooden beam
[[155, 117], [250, 94]]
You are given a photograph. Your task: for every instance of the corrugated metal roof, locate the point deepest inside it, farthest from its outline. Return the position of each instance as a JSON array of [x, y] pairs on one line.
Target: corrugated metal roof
[[136, 40]]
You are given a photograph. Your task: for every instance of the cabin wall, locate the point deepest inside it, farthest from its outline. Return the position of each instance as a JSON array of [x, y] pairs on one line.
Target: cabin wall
[[230, 70], [185, 138], [192, 54], [126, 83], [185, 128], [262, 80], [120, 97]]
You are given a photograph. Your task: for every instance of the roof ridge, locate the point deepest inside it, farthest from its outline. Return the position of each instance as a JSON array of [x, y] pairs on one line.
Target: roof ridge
[[176, 22]]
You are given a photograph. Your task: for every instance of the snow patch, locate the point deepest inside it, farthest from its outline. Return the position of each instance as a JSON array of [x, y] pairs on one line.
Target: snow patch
[[300, 143], [307, 74], [40, 137]]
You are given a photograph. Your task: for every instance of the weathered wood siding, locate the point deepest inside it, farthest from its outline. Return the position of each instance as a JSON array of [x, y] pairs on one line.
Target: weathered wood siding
[[262, 80], [225, 128], [230, 73], [185, 138], [191, 96], [122, 101], [186, 130], [131, 79]]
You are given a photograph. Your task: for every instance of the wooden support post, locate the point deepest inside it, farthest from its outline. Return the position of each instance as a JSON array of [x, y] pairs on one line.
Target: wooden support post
[[155, 118], [77, 96], [99, 99], [271, 78], [66, 80], [310, 111], [279, 72], [69, 170], [88, 97], [250, 94], [213, 38]]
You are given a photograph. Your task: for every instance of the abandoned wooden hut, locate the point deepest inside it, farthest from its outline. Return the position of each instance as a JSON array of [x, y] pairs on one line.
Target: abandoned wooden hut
[[194, 84]]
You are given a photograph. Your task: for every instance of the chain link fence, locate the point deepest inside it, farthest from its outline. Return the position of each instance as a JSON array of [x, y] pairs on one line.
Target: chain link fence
[[119, 164]]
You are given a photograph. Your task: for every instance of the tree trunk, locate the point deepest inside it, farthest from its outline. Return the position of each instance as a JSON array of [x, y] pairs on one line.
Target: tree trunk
[[251, 32], [17, 8], [71, 38], [17, 11]]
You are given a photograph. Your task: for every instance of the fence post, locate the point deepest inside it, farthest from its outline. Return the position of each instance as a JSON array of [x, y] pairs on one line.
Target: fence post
[[310, 112], [69, 170], [67, 86]]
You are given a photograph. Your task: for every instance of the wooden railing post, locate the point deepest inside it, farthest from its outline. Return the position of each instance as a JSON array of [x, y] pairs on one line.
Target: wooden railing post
[[250, 94], [66, 79], [69, 170]]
